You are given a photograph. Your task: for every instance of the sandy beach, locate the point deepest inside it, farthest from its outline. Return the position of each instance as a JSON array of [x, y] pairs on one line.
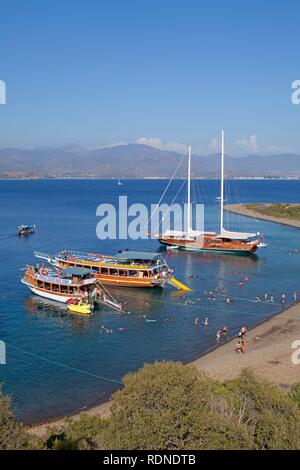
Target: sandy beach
[[269, 352], [243, 210]]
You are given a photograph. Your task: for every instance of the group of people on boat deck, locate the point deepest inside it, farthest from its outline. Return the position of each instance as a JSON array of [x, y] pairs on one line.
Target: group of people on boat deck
[[86, 294]]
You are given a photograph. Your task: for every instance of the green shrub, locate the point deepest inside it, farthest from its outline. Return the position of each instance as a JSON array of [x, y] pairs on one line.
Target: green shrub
[[294, 394], [13, 435]]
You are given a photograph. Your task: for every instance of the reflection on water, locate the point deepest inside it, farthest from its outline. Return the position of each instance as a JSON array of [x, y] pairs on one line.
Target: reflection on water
[[45, 309]]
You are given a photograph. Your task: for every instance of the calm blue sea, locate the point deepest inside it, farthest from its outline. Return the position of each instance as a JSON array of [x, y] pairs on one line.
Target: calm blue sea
[[58, 363]]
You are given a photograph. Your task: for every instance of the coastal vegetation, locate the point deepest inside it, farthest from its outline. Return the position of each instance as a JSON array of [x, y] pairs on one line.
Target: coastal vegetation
[[13, 435], [282, 211], [167, 405]]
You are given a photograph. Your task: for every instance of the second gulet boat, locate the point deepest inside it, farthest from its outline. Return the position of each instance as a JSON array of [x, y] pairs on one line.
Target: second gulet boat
[[125, 269], [228, 242]]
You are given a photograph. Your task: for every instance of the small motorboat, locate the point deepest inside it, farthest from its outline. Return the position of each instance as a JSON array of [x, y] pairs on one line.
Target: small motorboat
[[26, 229], [79, 307]]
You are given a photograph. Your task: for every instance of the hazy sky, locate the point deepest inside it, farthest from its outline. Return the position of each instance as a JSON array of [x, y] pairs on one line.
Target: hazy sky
[[165, 72]]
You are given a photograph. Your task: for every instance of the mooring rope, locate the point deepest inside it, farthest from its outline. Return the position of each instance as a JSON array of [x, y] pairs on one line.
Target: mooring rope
[[59, 364]]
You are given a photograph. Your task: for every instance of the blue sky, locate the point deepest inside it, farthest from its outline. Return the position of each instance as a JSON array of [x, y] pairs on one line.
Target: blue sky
[[163, 72]]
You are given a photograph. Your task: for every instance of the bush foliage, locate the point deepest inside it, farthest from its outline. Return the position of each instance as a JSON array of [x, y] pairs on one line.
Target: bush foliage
[[13, 435], [170, 406]]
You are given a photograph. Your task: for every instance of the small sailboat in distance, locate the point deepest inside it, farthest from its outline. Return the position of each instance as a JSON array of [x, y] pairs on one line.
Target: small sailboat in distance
[[227, 242], [120, 183]]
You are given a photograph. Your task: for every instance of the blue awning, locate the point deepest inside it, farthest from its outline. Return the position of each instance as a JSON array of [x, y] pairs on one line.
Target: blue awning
[[137, 255], [77, 271]]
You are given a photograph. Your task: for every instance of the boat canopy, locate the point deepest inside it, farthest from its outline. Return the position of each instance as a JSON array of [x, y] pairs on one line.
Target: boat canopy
[[189, 234], [74, 271], [137, 255], [236, 235]]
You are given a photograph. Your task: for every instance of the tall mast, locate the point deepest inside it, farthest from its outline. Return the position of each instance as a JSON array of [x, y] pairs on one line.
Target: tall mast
[[189, 192], [222, 182]]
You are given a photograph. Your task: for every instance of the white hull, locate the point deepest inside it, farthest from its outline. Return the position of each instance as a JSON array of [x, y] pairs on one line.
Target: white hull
[[49, 295]]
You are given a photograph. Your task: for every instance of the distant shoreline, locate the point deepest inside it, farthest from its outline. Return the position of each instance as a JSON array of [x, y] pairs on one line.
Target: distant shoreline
[[242, 210], [163, 178]]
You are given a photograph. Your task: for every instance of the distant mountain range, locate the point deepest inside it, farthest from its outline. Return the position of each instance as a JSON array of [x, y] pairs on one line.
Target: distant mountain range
[[135, 161]]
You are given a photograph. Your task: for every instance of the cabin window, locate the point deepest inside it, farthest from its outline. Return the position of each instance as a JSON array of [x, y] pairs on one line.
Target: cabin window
[[113, 272], [47, 285], [64, 289], [40, 284], [123, 273], [104, 271], [143, 273], [133, 273], [55, 288]]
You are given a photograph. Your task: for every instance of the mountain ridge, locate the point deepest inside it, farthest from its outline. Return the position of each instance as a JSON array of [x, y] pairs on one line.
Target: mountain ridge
[[136, 161]]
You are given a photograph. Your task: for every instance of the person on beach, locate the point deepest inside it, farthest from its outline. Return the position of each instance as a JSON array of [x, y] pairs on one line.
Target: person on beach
[[218, 336], [238, 347], [243, 347]]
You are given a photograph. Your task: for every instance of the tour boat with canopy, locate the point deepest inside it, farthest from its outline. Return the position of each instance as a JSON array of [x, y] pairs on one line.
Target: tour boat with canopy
[[125, 269], [72, 285], [224, 241]]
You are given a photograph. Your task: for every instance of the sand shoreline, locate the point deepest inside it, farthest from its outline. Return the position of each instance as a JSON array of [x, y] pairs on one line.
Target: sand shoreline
[[269, 347], [241, 209]]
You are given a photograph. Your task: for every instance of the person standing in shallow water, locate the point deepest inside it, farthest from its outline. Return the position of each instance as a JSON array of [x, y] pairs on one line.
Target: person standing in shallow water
[[283, 299], [224, 330], [218, 336]]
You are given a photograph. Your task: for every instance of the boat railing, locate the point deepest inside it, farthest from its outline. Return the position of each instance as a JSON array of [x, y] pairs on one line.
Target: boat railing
[[39, 254]]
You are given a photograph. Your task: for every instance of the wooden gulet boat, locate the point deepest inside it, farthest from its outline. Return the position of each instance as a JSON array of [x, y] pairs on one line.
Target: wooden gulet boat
[[67, 285], [126, 269], [225, 241]]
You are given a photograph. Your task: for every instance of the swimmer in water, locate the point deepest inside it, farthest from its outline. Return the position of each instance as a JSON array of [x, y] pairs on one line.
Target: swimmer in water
[[206, 322], [196, 321], [228, 300]]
